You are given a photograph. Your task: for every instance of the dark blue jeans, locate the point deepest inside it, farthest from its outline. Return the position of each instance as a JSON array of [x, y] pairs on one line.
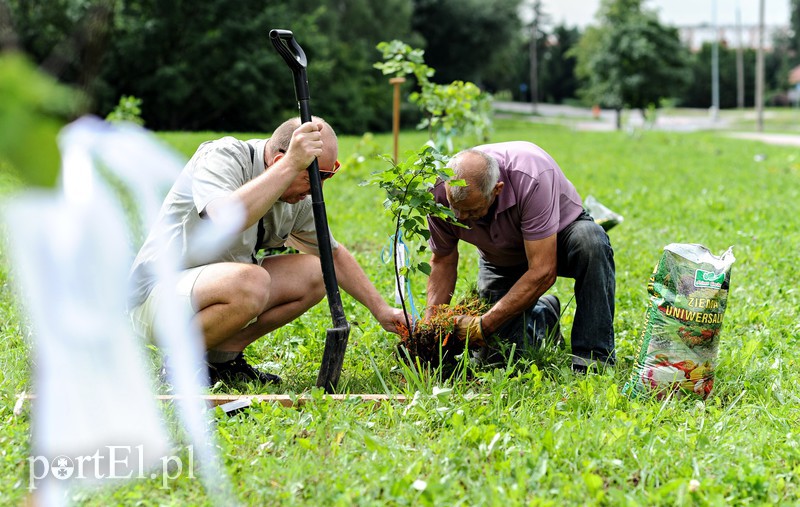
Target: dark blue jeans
[[584, 254]]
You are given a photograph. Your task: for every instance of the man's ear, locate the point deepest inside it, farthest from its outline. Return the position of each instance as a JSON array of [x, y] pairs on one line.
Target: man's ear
[[498, 188], [278, 155]]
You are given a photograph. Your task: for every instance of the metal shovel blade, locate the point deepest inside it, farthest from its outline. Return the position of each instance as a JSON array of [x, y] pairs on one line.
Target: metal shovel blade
[[332, 358]]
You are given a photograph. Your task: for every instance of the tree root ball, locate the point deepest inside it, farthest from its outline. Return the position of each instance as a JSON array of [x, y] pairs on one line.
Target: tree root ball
[[432, 341]]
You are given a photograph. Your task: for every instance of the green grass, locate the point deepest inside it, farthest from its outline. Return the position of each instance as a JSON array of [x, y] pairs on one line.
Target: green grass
[[532, 433]]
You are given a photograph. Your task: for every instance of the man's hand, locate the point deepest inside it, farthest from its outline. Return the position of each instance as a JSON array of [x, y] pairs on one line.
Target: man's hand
[[393, 318], [469, 328], [305, 146]]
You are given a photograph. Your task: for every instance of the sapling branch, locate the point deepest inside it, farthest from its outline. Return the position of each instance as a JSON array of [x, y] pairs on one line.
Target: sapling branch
[[395, 245], [408, 187]]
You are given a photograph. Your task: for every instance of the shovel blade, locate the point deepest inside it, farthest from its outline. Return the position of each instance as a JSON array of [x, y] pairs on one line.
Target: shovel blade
[[332, 358]]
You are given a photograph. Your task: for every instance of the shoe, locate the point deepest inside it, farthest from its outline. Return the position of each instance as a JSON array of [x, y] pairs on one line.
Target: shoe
[[238, 370], [554, 305]]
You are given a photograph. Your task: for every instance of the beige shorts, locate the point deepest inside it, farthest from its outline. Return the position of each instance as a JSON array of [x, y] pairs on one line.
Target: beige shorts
[[144, 316]]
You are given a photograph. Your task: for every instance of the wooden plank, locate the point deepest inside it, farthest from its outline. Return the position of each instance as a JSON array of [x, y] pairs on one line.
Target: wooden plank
[[286, 400]]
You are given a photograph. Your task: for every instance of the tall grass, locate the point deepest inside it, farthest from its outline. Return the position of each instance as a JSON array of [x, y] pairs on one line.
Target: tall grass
[[532, 432]]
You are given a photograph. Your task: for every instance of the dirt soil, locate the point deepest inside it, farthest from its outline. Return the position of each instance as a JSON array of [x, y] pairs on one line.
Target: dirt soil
[[432, 341]]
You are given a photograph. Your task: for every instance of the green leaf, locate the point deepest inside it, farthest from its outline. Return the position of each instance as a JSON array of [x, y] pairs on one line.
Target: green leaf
[[33, 109]]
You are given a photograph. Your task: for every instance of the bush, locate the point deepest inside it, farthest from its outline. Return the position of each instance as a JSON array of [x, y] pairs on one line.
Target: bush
[[129, 109]]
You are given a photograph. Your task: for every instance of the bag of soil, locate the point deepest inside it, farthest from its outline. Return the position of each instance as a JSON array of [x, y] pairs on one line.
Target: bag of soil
[[688, 297]]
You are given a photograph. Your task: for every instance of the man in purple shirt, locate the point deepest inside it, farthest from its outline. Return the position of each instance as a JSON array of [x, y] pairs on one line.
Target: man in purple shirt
[[527, 221]]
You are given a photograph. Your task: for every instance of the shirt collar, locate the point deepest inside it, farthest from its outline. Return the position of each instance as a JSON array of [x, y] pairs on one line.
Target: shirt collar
[[507, 198]]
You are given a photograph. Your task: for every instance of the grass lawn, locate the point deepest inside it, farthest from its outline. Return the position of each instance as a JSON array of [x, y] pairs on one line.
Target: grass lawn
[[532, 433]]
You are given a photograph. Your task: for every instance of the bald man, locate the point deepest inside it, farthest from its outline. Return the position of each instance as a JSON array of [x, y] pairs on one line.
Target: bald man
[[527, 221], [238, 296]]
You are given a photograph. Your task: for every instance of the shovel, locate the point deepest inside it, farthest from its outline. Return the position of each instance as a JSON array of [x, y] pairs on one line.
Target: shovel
[[336, 340]]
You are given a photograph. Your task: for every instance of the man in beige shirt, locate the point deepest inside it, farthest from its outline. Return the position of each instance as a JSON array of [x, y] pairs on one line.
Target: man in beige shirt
[[236, 296]]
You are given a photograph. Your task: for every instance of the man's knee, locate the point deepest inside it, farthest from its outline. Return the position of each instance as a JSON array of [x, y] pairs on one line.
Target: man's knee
[[253, 290], [591, 244], [316, 288], [296, 277]]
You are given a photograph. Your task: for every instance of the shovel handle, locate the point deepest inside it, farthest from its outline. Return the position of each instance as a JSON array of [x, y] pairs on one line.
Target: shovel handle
[[294, 56]]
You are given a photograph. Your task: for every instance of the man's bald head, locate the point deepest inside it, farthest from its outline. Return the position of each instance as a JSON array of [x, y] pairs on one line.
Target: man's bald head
[[479, 171]]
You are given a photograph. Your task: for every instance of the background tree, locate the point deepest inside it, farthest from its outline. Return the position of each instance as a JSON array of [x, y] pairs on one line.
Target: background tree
[[525, 80], [558, 81], [215, 60], [629, 59], [354, 95], [508, 69], [467, 40], [698, 92], [794, 26], [210, 65], [778, 63], [66, 38]]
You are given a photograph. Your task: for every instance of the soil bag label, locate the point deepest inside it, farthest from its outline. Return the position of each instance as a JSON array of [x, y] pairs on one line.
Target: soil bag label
[[688, 297]]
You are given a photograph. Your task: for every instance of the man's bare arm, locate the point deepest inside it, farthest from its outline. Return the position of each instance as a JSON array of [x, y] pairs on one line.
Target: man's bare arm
[[351, 277], [541, 275], [261, 193], [442, 281]]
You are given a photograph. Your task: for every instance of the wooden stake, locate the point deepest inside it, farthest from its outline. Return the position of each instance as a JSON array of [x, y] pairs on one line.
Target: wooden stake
[[396, 82]]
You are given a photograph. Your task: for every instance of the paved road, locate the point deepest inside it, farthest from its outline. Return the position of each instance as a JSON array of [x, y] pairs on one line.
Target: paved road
[[781, 139], [581, 118]]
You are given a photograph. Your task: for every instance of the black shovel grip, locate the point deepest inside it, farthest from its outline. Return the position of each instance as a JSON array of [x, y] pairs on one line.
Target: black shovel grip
[[294, 56]]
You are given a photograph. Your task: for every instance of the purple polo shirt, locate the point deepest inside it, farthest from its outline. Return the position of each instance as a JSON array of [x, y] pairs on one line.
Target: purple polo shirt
[[536, 202]]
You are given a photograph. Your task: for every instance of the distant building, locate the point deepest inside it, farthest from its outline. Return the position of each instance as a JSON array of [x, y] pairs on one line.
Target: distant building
[[794, 80], [695, 36], [794, 76]]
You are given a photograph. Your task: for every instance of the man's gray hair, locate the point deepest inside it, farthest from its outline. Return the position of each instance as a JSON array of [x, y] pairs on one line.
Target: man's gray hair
[[485, 179]]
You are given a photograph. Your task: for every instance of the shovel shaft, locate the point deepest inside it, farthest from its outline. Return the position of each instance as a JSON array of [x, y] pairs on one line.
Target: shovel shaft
[[323, 236], [336, 339], [328, 270]]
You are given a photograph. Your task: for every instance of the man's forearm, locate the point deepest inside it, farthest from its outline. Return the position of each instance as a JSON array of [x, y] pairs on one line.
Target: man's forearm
[[522, 295], [354, 281], [442, 281]]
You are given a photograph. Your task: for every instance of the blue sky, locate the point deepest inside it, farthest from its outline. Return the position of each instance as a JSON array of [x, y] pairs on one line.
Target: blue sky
[[677, 12]]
